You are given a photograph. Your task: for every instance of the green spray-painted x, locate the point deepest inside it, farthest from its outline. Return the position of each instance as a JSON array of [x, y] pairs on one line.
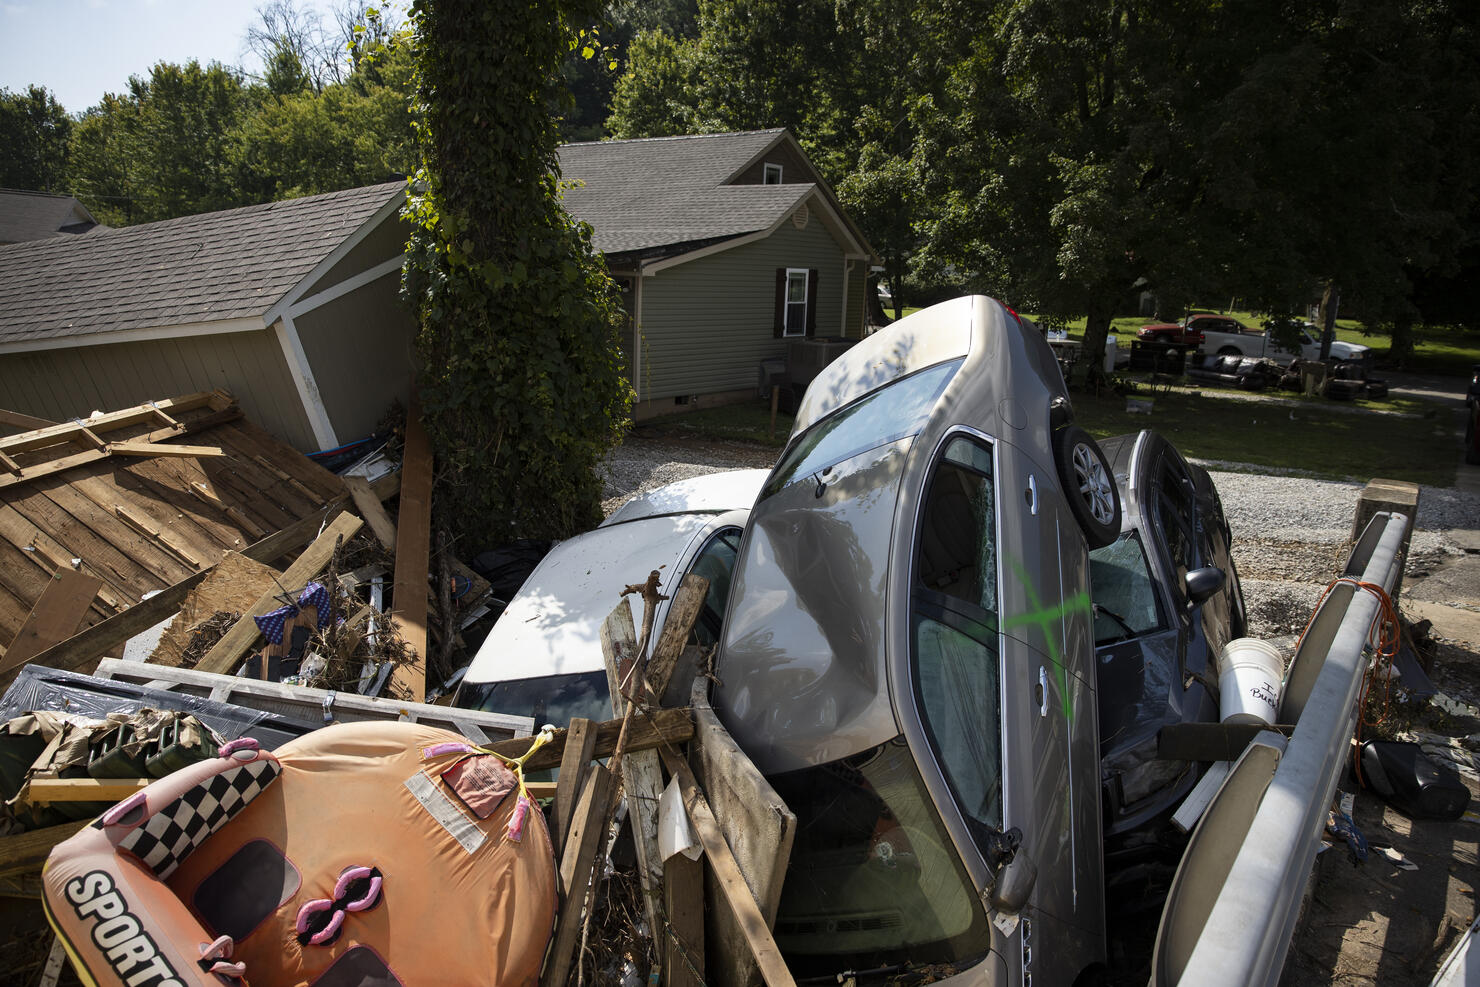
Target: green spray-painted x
[[1046, 619]]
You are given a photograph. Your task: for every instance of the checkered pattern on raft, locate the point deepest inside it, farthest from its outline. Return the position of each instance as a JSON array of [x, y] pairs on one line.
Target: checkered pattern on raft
[[169, 835]]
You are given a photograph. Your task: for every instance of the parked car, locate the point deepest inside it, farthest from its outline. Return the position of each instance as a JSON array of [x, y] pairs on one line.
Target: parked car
[[1166, 600], [908, 656], [543, 656]]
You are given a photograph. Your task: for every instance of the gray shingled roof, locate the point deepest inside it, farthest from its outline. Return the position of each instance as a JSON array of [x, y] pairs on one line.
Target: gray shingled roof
[[205, 268], [656, 192], [40, 215]]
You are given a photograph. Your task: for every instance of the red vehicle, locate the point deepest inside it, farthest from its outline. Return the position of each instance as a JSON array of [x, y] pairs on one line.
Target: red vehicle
[[1189, 332]]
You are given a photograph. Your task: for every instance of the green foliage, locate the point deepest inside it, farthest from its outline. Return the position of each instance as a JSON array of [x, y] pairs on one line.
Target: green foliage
[[34, 130], [521, 380]]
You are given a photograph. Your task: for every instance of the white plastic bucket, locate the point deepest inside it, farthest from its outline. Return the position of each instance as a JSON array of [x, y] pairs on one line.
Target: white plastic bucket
[[1250, 673]]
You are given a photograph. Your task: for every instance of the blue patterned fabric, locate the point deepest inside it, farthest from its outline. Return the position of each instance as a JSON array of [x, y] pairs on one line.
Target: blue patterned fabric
[[314, 594]]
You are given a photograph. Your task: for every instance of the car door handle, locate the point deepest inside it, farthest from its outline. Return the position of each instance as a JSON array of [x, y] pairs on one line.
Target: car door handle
[[1042, 691]]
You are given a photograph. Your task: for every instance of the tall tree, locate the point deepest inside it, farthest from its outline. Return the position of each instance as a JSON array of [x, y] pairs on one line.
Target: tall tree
[[521, 378], [34, 130]]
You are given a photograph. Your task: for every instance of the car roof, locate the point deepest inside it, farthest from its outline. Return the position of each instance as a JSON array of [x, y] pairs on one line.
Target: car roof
[[552, 626], [726, 490]]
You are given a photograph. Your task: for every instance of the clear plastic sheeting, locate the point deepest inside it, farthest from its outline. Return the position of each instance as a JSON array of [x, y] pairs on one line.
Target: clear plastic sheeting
[[51, 689]]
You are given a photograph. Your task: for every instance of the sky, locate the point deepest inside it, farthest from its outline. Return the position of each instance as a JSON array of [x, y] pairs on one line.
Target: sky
[[80, 49]]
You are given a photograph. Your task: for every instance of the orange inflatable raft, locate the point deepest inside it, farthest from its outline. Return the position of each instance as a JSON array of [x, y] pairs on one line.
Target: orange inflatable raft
[[371, 854]]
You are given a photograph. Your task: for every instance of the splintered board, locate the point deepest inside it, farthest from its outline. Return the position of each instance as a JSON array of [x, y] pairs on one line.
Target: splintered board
[[142, 498]]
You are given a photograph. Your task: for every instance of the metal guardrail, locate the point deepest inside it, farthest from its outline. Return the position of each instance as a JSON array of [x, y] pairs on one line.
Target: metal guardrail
[[1233, 907]]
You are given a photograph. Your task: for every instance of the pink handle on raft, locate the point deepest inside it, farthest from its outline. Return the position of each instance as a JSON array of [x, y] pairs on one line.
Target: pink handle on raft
[[329, 931], [308, 911], [371, 897]]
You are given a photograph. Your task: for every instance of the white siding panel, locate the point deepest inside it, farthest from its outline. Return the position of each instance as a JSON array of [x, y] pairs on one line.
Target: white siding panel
[[707, 324]]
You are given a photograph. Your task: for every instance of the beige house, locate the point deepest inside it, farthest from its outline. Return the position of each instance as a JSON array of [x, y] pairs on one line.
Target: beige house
[[291, 306]]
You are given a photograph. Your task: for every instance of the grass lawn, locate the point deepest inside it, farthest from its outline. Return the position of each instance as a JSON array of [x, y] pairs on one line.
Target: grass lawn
[[1442, 351], [1330, 442]]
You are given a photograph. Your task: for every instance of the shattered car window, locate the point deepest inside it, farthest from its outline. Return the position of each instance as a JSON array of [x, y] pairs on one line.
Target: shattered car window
[[547, 698], [1120, 584], [874, 880], [892, 412]]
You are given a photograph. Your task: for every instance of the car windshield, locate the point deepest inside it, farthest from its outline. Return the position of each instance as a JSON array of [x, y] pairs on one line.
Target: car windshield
[[547, 698], [874, 881], [892, 412], [1120, 585]]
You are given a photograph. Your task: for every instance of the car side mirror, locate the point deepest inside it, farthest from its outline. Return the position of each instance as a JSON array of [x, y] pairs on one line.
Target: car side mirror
[[1203, 584], [1014, 883]]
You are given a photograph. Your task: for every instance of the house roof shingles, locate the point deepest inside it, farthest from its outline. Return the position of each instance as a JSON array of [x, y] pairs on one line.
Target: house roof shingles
[[40, 215], [640, 195], [215, 266]]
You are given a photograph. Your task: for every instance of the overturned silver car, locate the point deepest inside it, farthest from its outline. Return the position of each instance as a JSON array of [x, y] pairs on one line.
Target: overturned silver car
[[909, 657]]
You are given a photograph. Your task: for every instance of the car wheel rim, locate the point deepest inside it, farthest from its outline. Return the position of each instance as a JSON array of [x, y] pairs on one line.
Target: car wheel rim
[[1094, 484]]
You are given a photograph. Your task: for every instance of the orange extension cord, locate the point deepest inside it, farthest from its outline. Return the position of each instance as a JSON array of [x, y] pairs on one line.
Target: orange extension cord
[[1388, 642]]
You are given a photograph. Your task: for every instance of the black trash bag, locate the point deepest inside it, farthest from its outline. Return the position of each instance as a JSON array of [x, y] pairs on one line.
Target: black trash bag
[[508, 566], [1406, 778]]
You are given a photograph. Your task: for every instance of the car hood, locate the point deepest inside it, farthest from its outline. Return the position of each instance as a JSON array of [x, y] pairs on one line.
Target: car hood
[[1349, 351], [552, 626]]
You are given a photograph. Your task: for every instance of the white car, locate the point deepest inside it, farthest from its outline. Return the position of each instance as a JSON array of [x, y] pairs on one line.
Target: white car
[[543, 656]]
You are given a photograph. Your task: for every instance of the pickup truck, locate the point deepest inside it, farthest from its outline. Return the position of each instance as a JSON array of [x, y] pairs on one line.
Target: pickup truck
[[1247, 342], [1190, 331]]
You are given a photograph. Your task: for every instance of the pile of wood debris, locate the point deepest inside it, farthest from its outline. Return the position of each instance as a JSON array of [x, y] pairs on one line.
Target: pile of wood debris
[[116, 540]]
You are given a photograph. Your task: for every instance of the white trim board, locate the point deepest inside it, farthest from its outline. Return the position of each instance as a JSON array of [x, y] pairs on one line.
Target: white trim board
[[295, 294], [303, 380], [344, 287], [251, 323]]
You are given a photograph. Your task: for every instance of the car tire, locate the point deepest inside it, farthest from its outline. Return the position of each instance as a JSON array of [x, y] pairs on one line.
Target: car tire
[[1089, 485]]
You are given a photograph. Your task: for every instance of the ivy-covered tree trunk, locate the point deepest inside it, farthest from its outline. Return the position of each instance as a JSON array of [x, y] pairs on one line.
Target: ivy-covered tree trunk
[[521, 380]]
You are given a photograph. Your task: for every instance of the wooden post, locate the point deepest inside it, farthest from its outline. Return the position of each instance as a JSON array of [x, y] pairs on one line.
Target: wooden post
[[580, 746], [687, 604], [775, 402], [576, 865], [54, 618], [413, 553], [737, 894], [243, 634], [683, 903], [1397, 496]]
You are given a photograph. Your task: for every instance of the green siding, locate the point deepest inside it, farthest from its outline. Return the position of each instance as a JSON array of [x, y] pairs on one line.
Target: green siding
[[72, 382], [707, 324], [360, 348]]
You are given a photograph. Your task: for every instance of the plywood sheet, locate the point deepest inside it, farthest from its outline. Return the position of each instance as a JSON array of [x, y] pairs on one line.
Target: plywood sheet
[[235, 583]]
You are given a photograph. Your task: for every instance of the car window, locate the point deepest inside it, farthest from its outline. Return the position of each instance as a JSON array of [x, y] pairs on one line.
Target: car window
[[873, 881], [548, 698], [892, 412], [716, 563], [955, 657], [1174, 513], [1120, 583]]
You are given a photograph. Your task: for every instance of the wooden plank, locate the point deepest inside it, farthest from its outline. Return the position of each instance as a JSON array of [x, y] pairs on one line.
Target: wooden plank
[[580, 745], [757, 825], [46, 790], [761, 945], [54, 618], [25, 853], [324, 484], [171, 487], [641, 773], [163, 449], [88, 529], [145, 525], [371, 509], [662, 727], [234, 645], [576, 865], [14, 419], [82, 651], [683, 612], [37, 470], [65, 431], [261, 484], [683, 905], [413, 553], [35, 522]]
